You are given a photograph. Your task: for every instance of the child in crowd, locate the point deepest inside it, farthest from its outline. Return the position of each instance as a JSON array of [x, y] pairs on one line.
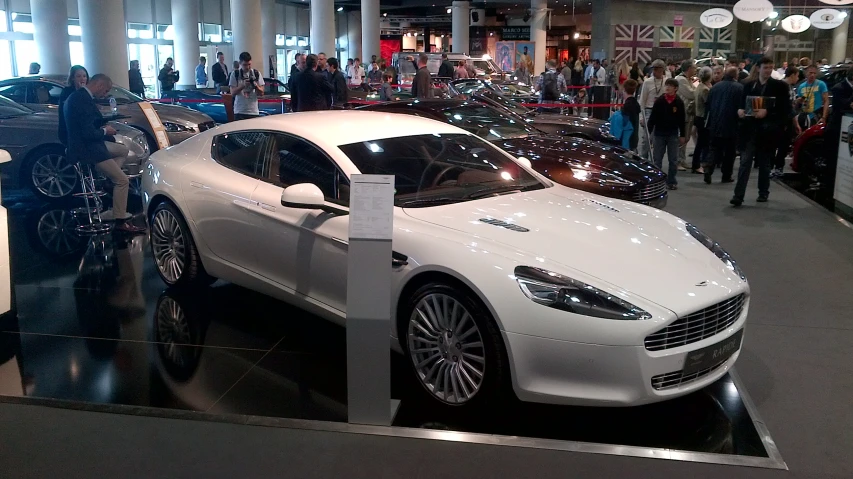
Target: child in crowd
[[386, 93], [667, 124]]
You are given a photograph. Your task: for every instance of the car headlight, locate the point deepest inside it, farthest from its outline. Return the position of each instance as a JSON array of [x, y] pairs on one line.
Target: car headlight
[[176, 128], [594, 175], [715, 248], [561, 292]]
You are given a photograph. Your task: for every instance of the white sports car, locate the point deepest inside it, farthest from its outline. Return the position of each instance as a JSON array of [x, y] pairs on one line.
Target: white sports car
[[501, 278]]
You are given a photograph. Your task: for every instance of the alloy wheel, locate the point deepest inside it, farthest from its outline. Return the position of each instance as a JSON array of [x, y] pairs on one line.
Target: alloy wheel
[[57, 231], [446, 349], [169, 245], [53, 176], [173, 330]]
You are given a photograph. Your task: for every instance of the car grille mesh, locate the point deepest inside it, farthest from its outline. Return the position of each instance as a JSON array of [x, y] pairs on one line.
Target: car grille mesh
[[650, 192], [676, 379], [697, 326]]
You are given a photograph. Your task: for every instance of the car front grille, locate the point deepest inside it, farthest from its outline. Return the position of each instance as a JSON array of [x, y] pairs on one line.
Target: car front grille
[[676, 379], [697, 326], [650, 192], [205, 126]]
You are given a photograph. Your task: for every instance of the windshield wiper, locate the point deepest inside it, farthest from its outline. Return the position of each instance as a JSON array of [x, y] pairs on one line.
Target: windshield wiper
[[427, 202], [505, 190]]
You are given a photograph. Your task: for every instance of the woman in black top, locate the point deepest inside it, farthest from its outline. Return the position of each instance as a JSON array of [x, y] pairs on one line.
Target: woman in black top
[[577, 74], [636, 74], [631, 110], [77, 78]]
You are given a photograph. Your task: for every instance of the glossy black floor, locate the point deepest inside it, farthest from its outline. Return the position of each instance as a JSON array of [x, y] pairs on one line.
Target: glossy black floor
[[95, 324]]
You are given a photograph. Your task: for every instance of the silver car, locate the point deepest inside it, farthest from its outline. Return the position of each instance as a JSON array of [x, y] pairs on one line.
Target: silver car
[[41, 93], [38, 158]]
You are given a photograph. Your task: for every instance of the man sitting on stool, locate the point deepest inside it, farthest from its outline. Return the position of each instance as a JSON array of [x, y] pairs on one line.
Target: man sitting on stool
[[89, 142]]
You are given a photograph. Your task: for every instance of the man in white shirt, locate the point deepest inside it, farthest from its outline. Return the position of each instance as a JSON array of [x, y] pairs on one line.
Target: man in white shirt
[[687, 93], [246, 85], [357, 74], [599, 74], [653, 88]]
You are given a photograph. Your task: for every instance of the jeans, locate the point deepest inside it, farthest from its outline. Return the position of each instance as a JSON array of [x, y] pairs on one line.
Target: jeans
[[644, 138], [670, 144], [786, 136], [244, 116], [762, 155], [682, 150], [702, 141], [121, 184], [722, 153]]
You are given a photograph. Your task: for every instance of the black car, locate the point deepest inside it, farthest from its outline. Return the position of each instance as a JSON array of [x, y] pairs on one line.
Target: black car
[[558, 124], [581, 164]]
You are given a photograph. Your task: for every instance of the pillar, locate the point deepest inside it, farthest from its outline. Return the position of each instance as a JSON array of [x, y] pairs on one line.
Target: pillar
[[185, 18], [370, 29], [839, 41], [601, 29], [51, 40], [104, 38], [461, 26], [354, 24], [538, 26], [269, 26], [323, 27], [246, 25]]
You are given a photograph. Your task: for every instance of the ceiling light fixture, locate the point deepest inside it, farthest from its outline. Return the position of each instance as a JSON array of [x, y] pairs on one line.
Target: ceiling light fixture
[[773, 14], [340, 9], [449, 10]]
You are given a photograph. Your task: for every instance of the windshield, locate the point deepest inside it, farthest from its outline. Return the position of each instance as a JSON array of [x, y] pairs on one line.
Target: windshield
[[488, 123], [9, 109], [431, 170], [123, 96], [504, 102]]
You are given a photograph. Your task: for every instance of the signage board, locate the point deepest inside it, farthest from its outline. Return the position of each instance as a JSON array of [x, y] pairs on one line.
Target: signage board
[[672, 54], [753, 10], [716, 18], [838, 2], [826, 18], [156, 125], [678, 20], [793, 46], [844, 168], [795, 23], [515, 33]]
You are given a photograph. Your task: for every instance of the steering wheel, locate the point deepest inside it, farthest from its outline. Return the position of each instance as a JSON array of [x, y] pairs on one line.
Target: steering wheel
[[437, 180]]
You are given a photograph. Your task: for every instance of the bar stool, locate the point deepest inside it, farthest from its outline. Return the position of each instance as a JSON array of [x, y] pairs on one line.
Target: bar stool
[[94, 205]]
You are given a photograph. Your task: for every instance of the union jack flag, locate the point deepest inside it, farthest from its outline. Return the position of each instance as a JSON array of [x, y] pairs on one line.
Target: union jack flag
[[678, 37], [634, 43], [715, 42]]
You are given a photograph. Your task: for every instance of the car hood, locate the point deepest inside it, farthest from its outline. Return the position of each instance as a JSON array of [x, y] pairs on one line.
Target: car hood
[[49, 120], [180, 114], [547, 152], [616, 245], [572, 120]]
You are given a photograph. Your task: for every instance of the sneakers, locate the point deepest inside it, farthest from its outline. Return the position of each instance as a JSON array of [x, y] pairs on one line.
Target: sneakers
[[736, 201], [707, 178], [776, 173], [698, 171], [681, 167], [762, 199], [130, 228]]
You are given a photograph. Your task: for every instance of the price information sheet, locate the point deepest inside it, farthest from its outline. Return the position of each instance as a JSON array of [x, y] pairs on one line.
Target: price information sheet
[[371, 207]]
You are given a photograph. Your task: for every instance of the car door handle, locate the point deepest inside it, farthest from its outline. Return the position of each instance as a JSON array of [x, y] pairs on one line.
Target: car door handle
[[267, 207], [196, 184], [248, 204]]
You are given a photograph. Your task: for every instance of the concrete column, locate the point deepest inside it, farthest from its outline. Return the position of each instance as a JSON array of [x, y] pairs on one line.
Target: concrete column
[[601, 28], [246, 25], [51, 39], [185, 18], [839, 41], [461, 26], [323, 27], [370, 29], [269, 26], [354, 23], [538, 27], [104, 38]]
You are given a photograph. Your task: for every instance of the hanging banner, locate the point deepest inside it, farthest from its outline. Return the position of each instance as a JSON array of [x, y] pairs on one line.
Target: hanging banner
[[753, 10], [716, 18], [826, 18], [838, 2], [795, 23]]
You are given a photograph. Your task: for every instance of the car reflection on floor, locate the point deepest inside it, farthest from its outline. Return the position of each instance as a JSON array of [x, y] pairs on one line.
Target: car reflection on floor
[[95, 324]]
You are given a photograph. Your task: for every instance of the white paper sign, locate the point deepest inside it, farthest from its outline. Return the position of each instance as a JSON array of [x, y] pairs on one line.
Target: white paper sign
[[371, 207], [844, 169], [826, 18]]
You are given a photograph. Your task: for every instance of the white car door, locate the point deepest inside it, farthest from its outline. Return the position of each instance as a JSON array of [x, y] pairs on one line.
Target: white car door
[[303, 250], [218, 191]]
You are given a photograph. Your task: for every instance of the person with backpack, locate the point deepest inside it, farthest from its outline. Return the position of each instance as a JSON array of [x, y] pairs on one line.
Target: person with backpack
[[246, 84], [631, 112], [550, 85]]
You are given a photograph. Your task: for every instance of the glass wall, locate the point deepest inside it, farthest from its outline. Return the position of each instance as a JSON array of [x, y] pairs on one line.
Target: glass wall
[[77, 57], [5, 60], [3, 26]]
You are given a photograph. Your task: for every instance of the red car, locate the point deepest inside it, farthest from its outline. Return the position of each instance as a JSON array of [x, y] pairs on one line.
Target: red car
[[809, 156]]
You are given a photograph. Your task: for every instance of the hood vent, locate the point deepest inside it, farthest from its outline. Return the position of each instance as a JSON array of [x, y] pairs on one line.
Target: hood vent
[[603, 205], [504, 224]]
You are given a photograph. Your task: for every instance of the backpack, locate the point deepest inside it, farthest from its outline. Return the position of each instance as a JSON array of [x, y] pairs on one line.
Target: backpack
[[622, 128], [550, 91]]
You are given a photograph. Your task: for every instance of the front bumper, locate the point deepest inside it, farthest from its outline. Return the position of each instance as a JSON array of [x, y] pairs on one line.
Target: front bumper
[[565, 372]]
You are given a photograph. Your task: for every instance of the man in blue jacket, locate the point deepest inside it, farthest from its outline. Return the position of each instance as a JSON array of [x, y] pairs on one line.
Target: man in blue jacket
[[91, 141]]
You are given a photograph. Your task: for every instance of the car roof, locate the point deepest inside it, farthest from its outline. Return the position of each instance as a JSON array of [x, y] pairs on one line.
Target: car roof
[[50, 78], [333, 128]]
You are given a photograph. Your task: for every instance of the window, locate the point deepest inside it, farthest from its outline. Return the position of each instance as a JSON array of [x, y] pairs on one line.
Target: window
[[440, 169], [5, 58], [487, 123], [165, 32], [45, 93], [294, 161], [140, 30], [74, 29], [22, 22], [9, 109], [77, 56], [3, 26], [16, 93], [25, 53], [279, 40], [211, 33], [241, 152]]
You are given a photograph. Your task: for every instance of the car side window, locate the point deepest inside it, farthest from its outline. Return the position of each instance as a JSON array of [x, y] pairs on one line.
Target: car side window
[[16, 93], [242, 152], [293, 161], [45, 93]]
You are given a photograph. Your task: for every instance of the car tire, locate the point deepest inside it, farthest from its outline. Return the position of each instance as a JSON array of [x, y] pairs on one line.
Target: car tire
[[173, 248], [49, 174], [454, 348]]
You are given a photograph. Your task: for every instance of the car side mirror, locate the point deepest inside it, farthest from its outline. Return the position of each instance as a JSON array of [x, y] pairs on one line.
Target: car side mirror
[[524, 161], [307, 196]]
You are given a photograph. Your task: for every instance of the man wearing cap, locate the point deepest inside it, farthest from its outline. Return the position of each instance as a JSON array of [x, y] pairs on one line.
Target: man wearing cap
[[653, 88]]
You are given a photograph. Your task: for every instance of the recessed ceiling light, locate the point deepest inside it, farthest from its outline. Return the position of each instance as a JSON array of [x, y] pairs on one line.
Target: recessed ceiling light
[[340, 9]]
